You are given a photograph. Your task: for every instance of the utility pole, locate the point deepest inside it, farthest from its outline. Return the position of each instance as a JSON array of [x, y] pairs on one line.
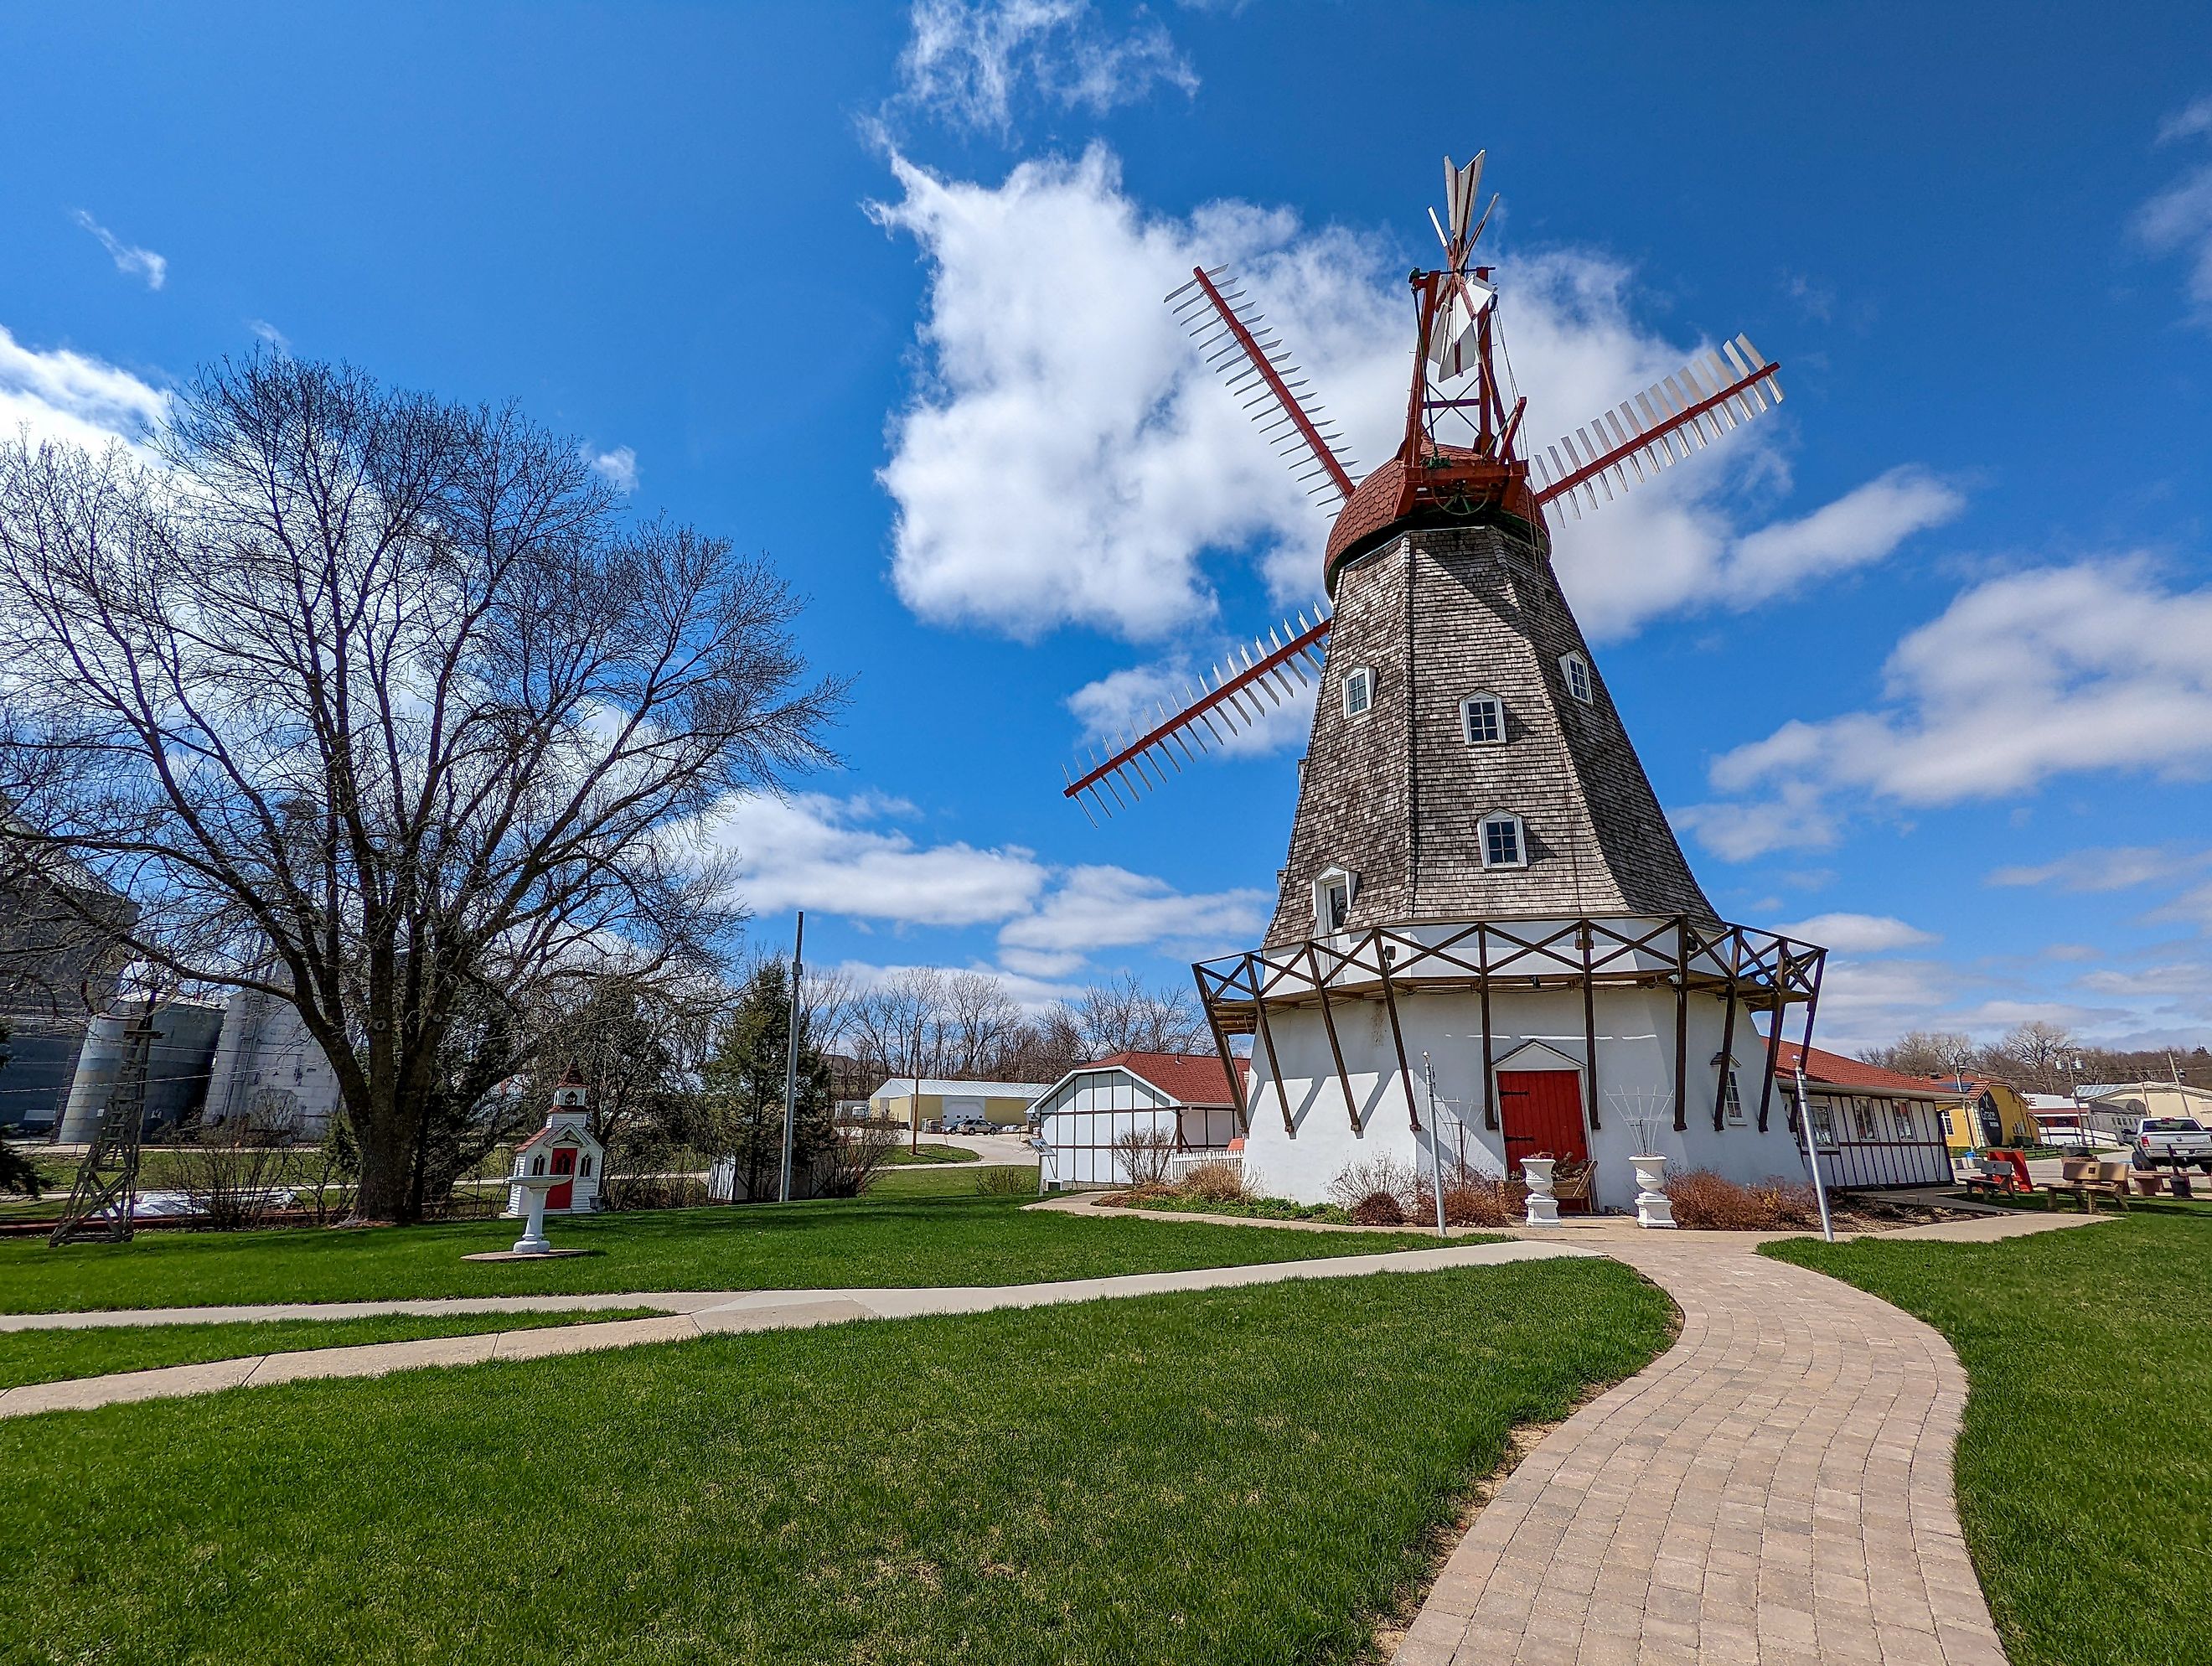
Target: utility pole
[[791, 1058]]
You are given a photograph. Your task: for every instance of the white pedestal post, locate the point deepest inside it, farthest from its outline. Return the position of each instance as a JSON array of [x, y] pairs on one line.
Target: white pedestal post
[[534, 1187], [1543, 1208], [1653, 1206]]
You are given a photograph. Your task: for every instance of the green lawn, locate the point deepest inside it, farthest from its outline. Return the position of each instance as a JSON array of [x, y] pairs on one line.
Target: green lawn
[[1220, 1477], [928, 1152], [54, 1356], [2084, 1469], [876, 1240]]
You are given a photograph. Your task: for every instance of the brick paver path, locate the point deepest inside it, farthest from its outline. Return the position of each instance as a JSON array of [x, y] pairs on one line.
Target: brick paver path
[[1776, 1488]]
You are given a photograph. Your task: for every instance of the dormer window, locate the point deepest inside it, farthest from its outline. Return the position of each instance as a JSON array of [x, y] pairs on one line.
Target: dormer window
[[1358, 691], [1332, 893], [1504, 841], [1577, 671], [1482, 719]]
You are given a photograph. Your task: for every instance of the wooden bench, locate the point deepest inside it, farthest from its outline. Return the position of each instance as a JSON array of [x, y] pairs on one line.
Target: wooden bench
[[2085, 1180], [1572, 1182]]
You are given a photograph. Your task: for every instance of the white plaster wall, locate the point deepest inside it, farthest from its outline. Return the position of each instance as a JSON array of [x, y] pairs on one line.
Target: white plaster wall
[[1635, 1051]]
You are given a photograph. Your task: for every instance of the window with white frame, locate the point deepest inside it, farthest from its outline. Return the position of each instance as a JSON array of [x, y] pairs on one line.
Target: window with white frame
[[1824, 1125], [1900, 1119], [1731, 1096], [1333, 894], [1577, 671], [1358, 691], [1504, 841], [1862, 1118], [1482, 719]]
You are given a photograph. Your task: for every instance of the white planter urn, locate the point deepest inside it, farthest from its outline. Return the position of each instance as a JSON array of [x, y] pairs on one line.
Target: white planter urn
[[1543, 1208], [1653, 1206]]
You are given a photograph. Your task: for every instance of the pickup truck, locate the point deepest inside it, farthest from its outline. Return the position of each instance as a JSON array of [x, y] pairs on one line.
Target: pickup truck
[[2165, 1141]]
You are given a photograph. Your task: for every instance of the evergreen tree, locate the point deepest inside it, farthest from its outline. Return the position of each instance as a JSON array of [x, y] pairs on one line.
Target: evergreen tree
[[742, 1101]]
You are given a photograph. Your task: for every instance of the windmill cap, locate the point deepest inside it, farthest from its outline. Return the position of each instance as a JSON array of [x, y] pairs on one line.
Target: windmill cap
[[1452, 486]]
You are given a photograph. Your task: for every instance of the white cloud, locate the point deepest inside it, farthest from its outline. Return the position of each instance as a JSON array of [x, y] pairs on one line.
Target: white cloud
[[813, 851], [1034, 994], [128, 258], [1870, 1003], [1858, 933], [968, 61], [269, 333], [2095, 667], [1110, 908], [1859, 528], [1068, 457], [2187, 123], [2119, 867], [843, 857], [618, 467], [67, 396], [2178, 220]]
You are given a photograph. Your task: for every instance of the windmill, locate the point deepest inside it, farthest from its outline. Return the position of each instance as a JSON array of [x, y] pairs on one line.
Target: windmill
[[1480, 469], [1479, 874]]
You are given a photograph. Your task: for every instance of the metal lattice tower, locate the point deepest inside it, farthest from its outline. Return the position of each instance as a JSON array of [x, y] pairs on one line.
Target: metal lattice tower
[[106, 1192]]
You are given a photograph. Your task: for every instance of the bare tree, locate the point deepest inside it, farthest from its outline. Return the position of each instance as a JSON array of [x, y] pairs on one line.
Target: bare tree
[[1927, 1052], [982, 1024], [897, 1028], [366, 700], [1124, 1015], [2030, 1056]]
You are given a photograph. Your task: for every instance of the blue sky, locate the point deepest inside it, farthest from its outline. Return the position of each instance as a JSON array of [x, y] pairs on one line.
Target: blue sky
[[1925, 660]]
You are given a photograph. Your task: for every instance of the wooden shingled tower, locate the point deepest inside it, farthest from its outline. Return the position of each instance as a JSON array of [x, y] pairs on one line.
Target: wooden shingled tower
[[1479, 874], [1443, 632]]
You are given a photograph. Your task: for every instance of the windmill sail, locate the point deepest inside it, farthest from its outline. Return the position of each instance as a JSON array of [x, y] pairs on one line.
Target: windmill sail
[[1246, 351], [1660, 427], [1259, 678]]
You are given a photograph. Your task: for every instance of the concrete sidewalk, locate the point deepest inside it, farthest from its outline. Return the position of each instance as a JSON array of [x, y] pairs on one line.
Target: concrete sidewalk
[[703, 1313]]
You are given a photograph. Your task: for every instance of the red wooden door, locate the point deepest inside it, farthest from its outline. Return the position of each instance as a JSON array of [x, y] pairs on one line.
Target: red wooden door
[[1541, 1110], [563, 1196]]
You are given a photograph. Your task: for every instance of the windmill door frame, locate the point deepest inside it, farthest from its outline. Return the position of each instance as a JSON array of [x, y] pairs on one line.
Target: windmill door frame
[[1541, 1110], [563, 1196]]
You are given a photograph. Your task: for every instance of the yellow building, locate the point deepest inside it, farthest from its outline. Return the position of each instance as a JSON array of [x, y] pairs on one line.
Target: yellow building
[[915, 1104], [1993, 1113]]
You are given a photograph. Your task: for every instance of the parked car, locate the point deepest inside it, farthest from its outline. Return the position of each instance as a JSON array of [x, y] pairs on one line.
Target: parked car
[[966, 1121], [2168, 1140]]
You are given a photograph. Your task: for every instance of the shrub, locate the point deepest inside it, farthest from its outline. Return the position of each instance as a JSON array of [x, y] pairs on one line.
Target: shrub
[[1704, 1199], [1006, 1181], [1378, 1209], [1376, 1176], [1142, 1155], [1216, 1181], [1477, 1199]]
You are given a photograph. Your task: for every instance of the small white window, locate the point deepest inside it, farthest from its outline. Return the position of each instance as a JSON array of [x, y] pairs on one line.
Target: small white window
[[1482, 719], [1734, 1099], [1503, 844], [1358, 691], [1332, 893], [1577, 671]]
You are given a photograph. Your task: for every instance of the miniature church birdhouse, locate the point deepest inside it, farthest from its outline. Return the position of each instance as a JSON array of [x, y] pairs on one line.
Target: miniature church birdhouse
[[564, 1150]]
